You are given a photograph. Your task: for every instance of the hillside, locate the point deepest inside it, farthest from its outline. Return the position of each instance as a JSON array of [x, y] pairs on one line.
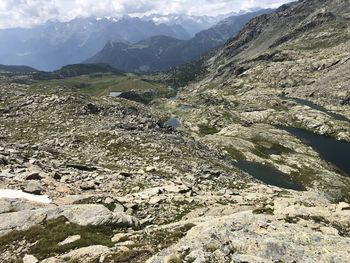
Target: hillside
[[161, 53]]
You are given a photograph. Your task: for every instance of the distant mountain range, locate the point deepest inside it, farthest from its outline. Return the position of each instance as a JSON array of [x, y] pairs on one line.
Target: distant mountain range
[[192, 24], [55, 44], [164, 52]]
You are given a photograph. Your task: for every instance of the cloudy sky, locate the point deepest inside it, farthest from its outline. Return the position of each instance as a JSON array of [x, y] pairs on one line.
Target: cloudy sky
[[20, 13]]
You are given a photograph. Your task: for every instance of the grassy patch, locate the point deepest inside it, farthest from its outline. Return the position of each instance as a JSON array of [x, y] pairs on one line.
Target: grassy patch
[[174, 259], [43, 239], [149, 243], [234, 153], [306, 176], [264, 148], [102, 85], [96, 200], [163, 238], [208, 130], [129, 256]]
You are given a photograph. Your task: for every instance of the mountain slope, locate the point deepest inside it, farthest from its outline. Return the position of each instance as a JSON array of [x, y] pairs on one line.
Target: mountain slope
[[160, 52], [56, 44], [282, 78], [288, 24]]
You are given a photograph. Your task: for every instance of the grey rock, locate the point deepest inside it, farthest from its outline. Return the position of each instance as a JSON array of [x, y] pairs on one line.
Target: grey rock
[[87, 253], [69, 240], [33, 187], [119, 237], [8, 205], [30, 259], [119, 208], [78, 214], [88, 185]]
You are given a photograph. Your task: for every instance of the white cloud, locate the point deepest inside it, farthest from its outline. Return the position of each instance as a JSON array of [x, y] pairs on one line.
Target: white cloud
[[15, 13]]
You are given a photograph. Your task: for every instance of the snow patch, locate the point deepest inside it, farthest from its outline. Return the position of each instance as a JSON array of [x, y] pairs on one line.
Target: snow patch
[[17, 194]]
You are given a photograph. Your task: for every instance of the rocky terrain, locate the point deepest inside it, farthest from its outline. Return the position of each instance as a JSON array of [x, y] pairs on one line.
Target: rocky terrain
[[219, 173]]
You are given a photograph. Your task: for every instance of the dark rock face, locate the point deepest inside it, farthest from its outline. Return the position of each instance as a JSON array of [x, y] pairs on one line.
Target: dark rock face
[[345, 101], [91, 109], [81, 167]]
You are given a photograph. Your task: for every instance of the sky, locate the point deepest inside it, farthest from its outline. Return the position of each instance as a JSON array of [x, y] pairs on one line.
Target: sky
[[27, 13]]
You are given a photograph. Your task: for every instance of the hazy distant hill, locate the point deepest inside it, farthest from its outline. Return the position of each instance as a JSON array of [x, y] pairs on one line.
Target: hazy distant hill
[[16, 69]]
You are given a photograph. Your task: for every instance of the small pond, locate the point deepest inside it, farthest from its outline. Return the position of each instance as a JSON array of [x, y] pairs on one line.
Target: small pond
[[115, 94], [269, 175], [331, 150], [173, 122]]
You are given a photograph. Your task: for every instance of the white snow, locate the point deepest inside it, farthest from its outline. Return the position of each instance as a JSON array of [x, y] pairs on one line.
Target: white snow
[[17, 194]]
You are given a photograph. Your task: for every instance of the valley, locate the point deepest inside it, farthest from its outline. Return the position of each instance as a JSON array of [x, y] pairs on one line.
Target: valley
[[239, 156]]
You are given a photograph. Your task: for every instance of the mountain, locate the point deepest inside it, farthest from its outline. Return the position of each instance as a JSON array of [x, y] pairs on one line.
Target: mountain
[[16, 69], [161, 52], [292, 24], [192, 24], [55, 44]]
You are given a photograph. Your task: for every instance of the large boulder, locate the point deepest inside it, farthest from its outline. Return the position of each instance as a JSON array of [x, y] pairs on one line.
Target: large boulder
[[84, 254], [83, 215]]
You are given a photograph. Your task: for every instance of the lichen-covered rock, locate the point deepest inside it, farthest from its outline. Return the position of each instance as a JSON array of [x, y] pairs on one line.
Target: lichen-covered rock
[[83, 215], [85, 254], [259, 238]]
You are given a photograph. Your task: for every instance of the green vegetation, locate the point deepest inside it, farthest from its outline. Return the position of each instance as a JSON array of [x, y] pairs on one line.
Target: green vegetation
[[174, 259], [129, 256], [184, 74], [315, 39], [234, 153], [102, 84], [44, 238], [208, 130], [149, 243], [163, 238], [96, 200]]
